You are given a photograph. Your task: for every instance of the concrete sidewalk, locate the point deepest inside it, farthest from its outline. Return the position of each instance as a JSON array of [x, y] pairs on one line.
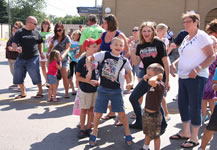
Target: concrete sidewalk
[[35, 124]]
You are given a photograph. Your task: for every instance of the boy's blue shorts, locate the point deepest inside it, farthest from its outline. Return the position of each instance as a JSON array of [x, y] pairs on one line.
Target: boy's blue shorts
[[103, 97]]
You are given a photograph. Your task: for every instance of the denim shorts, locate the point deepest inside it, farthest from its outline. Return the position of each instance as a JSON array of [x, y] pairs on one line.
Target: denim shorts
[[136, 70], [213, 121], [51, 79], [65, 63], [103, 97], [141, 73], [31, 66]]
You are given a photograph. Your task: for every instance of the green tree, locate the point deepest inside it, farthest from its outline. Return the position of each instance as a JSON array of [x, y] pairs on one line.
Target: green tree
[[68, 19], [21, 9], [3, 12]]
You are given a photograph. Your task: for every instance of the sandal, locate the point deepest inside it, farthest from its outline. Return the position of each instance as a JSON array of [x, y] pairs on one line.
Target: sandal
[[108, 117], [178, 137], [191, 144], [20, 96], [129, 140], [118, 123], [38, 95], [92, 140]]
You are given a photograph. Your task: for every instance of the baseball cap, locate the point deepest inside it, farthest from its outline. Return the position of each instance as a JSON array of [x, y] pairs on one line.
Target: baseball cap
[[90, 41]]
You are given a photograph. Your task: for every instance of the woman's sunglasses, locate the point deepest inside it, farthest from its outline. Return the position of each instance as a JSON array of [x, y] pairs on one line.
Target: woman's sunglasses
[[59, 30], [134, 30]]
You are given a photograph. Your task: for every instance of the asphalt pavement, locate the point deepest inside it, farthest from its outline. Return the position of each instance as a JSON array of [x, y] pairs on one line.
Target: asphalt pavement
[[35, 124]]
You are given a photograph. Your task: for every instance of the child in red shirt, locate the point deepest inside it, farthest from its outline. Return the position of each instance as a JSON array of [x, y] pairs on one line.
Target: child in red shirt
[[54, 64]]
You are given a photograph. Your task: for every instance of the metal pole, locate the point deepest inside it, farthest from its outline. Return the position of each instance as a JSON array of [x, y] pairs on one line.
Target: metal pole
[[95, 3], [9, 18]]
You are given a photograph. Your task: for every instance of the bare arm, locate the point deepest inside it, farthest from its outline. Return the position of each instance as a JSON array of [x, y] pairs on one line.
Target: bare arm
[[126, 47], [155, 79], [66, 51], [89, 59], [130, 84], [49, 49], [211, 57], [167, 71], [40, 47], [173, 67]]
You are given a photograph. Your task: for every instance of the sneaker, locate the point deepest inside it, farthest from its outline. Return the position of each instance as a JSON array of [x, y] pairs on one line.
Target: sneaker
[[81, 134], [88, 132]]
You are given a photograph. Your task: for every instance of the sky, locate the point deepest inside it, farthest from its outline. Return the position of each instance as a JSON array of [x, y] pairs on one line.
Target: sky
[[61, 8]]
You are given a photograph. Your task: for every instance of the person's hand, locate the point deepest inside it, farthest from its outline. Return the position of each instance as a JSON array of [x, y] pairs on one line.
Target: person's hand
[[19, 49], [47, 55], [42, 56], [193, 74], [10, 48], [93, 83], [77, 56], [62, 57], [167, 85], [129, 86], [88, 75], [146, 77], [172, 70]]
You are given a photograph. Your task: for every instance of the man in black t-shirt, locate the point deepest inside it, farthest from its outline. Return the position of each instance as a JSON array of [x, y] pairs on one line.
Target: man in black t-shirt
[[28, 43]]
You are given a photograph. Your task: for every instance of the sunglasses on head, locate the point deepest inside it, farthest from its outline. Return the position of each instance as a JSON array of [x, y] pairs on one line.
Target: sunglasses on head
[[134, 30], [59, 30]]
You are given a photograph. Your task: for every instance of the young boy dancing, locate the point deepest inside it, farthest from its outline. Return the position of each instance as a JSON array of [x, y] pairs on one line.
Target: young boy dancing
[[111, 64], [87, 88], [152, 116]]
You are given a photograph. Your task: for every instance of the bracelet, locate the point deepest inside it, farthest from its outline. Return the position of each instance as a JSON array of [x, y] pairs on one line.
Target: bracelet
[[195, 70], [200, 67], [213, 86]]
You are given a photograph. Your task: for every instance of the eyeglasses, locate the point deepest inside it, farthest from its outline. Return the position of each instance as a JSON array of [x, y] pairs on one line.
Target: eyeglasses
[[59, 30], [187, 21], [134, 30], [33, 23]]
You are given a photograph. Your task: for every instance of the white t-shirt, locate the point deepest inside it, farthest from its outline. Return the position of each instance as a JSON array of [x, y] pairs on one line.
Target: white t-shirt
[[192, 55], [99, 57]]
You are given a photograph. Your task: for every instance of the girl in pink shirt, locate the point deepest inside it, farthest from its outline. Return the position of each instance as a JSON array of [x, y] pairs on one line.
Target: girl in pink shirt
[[54, 64]]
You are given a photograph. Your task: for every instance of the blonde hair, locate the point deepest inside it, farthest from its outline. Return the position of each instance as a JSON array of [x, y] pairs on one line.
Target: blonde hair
[[117, 39], [162, 26], [150, 25], [156, 68]]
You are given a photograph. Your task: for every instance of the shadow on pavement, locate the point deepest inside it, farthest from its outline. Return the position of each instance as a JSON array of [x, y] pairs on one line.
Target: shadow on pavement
[[58, 112], [109, 138]]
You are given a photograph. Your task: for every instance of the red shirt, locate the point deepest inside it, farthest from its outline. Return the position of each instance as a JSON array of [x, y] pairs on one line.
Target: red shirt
[[52, 68]]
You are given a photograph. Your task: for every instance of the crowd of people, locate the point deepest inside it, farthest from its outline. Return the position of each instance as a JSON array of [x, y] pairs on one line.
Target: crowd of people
[[103, 59]]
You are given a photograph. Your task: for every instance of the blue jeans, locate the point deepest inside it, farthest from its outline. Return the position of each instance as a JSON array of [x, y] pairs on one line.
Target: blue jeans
[[141, 88], [190, 96], [31, 66]]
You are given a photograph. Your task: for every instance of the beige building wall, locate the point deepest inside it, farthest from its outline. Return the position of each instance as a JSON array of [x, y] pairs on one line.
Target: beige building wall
[[132, 13]]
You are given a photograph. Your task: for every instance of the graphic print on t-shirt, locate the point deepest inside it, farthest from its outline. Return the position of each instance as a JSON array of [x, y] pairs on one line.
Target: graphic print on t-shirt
[[148, 51], [111, 69]]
